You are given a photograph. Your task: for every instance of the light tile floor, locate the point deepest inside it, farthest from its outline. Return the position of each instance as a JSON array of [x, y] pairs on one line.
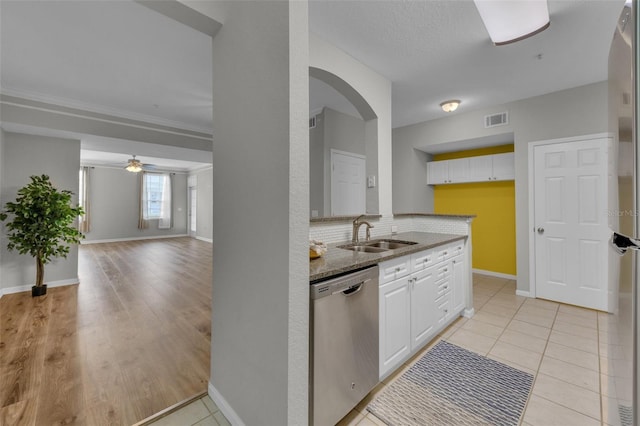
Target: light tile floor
[[566, 348], [202, 412]]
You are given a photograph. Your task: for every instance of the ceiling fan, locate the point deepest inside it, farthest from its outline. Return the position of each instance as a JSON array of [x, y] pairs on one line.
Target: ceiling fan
[[134, 165]]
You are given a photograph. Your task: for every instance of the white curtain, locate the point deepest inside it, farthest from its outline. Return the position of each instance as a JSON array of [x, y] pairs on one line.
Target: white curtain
[[84, 222], [166, 218], [156, 199]]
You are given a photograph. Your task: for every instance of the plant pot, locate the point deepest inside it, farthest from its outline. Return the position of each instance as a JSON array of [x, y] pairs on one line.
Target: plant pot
[[38, 291]]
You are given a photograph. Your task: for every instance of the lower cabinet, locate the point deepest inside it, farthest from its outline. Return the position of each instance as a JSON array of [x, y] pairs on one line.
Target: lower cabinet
[[415, 303], [458, 280], [395, 323], [423, 308]]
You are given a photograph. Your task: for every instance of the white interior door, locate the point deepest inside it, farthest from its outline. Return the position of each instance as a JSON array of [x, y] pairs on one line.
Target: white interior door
[[348, 186], [192, 211], [570, 218]]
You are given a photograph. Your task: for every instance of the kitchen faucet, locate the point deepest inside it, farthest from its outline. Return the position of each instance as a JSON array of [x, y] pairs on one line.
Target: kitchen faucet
[[356, 227]]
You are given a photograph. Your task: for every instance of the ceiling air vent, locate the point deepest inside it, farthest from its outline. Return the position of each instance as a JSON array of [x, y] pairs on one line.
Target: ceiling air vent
[[494, 120], [312, 122]]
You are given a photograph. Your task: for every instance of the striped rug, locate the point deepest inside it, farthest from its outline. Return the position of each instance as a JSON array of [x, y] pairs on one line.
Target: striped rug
[[450, 385]]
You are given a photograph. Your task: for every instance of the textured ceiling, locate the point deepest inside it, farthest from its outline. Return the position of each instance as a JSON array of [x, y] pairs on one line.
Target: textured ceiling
[[120, 57], [115, 57], [437, 50]]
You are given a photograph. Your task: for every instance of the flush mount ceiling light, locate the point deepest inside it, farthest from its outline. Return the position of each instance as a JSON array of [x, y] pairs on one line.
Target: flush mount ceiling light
[[508, 21], [134, 165], [450, 106]]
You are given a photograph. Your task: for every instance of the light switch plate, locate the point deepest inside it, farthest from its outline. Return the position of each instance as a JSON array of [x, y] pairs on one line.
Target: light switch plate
[[371, 181]]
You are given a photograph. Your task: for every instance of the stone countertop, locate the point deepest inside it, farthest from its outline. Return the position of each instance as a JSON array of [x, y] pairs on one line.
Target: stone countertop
[[442, 215], [337, 261]]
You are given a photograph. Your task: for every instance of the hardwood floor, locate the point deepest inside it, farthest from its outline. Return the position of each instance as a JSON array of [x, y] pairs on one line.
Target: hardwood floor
[[130, 340]]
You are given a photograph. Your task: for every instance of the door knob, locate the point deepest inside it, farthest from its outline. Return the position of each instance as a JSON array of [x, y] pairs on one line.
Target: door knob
[[540, 231]]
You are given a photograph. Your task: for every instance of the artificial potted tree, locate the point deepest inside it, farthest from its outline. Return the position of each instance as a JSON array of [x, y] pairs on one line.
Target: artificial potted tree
[[40, 224]]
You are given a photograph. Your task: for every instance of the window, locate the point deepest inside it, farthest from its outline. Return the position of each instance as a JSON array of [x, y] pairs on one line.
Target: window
[[156, 196]]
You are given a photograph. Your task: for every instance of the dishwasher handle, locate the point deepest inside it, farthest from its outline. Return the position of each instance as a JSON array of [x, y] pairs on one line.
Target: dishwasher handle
[[354, 289]]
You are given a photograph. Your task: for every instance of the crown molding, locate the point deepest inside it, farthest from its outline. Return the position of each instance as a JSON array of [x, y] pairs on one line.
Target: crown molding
[[100, 109]]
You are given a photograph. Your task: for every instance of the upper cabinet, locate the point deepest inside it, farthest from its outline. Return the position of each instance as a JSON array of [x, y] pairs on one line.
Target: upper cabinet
[[482, 168]]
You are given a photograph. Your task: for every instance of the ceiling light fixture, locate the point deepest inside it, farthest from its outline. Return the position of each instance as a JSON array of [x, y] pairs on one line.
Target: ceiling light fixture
[[508, 21], [450, 106], [134, 165]]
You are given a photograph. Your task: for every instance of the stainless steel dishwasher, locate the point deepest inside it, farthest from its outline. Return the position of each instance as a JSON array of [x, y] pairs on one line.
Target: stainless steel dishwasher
[[344, 344]]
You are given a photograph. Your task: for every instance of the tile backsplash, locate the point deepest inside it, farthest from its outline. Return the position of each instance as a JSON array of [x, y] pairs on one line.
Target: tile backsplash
[[333, 232]]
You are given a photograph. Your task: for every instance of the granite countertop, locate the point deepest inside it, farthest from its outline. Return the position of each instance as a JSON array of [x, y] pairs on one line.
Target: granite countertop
[[443, 215], [337, 261]]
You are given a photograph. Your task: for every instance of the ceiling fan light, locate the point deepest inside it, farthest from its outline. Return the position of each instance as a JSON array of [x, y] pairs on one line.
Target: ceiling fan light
[[508, 21], [450, 106], [134, 165]]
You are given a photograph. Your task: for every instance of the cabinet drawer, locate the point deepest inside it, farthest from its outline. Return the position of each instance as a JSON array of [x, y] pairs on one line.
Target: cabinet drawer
[[442, 253], [443, 271], [422, 260], [394, 269], [443, 287], [442, 306], [456, 249]]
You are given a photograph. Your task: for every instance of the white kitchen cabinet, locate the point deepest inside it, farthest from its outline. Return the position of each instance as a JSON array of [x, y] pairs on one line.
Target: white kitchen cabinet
[[458, 280], [448, 171], [418, 298], [437, 172], [395, 323], [397, 268], [482, 168], [503, 166], [458, 170], [423, 309]]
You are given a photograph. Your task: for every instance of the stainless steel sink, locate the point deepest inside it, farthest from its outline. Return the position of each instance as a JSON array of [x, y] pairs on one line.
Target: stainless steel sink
[[377, 246], [363, 248], [389, 244]]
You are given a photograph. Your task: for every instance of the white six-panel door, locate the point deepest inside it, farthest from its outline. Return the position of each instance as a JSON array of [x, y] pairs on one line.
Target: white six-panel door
[[570, 222], [348, 186]]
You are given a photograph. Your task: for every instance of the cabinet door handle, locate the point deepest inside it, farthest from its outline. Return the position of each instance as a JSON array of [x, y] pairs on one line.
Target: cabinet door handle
[[398, 269]]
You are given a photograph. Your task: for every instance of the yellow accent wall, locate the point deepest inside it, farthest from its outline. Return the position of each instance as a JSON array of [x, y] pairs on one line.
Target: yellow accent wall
[[493, 231]]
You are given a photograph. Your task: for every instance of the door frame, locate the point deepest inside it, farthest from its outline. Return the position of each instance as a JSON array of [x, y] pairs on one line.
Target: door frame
[[531, 197]]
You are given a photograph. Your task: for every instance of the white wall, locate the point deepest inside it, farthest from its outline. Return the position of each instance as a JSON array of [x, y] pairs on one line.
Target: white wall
[[24, 156], [573, 112], [204, 204], [334, 130], [114, 198], [376, 91], [259, 352], [316, 167], [411, 194]]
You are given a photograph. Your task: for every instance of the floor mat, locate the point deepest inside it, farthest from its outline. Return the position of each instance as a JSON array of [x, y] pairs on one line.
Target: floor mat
[[450, 385]]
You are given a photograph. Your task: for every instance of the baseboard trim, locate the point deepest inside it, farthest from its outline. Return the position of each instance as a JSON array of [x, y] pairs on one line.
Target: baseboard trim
[[118, 240], [523, 293], [494, 274], [164, 413], [51, 284], [206, 240], [224, 406], [468, 313]]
